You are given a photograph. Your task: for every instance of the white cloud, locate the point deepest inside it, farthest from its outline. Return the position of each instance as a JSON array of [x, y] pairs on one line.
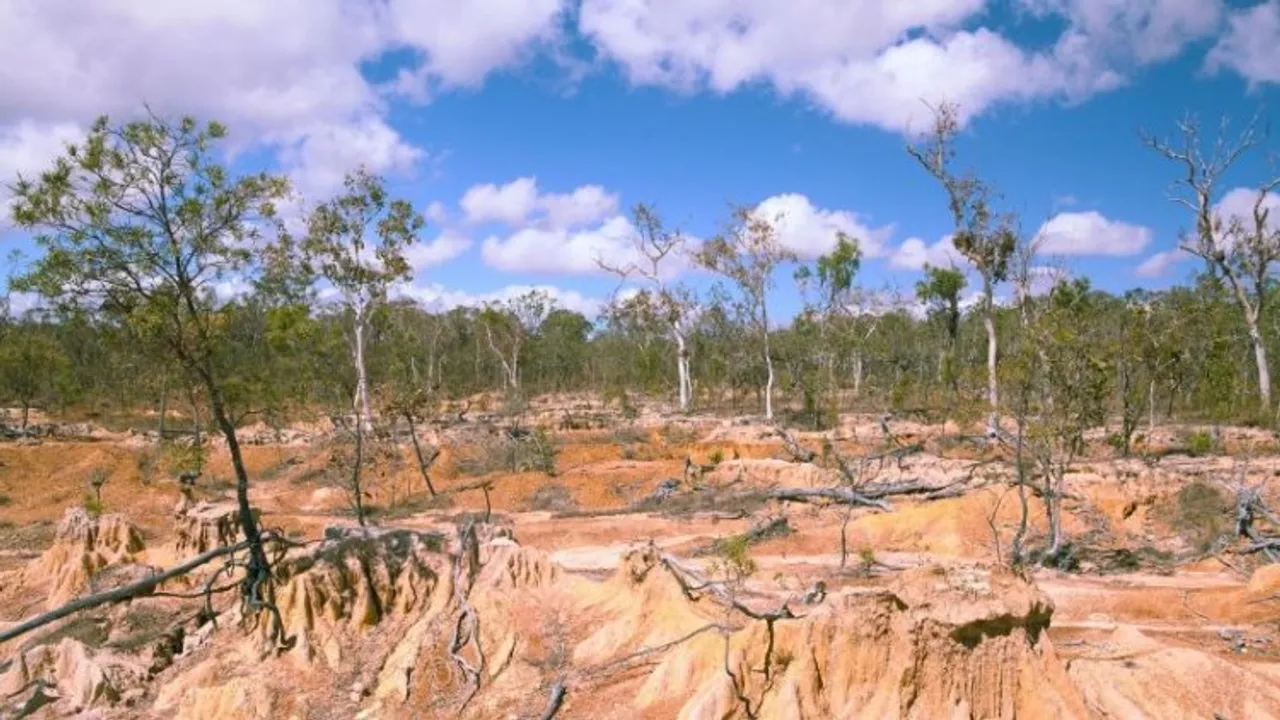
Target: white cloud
[[520, 204], [583, 206], [872, 61], [437, 298], [1251, 44], [436, 212], [1160, 264], [914, 254], [539, 250], [447, 246], [1090, 233], [510, 204], [284, 74], [1237, 205], [27, 148], [811, 231], [461, 43]]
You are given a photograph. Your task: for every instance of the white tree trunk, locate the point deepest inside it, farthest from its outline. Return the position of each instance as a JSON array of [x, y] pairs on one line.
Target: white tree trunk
[[857, 374], [361, 402], [993, 391], [768, 384], [1151, 407], [1264, 371], [682, 368]]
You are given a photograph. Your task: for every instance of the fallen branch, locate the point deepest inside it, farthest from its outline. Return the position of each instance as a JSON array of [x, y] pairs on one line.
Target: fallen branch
[[841, 495], [557, 699], [798, 452], [126, 592]]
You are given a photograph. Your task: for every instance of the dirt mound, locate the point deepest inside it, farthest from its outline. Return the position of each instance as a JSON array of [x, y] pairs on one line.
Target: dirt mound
[[1132, 675], [203, 526], [83, 546], [938, 643], [67, 674]]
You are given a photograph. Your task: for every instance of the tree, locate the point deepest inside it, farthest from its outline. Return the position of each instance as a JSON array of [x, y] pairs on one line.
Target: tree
[[139, 223], [835, 273], [30, 363], [940, 292], [1241, 249], [656, 248], [986, 240], [358, 241], [747, 253], [508, 326]]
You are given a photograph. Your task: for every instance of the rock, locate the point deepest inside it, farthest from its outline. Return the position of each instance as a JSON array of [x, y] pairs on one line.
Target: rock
[[204, 526]]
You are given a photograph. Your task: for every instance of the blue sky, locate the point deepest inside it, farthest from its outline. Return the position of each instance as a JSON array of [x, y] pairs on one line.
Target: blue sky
[[684, 106]]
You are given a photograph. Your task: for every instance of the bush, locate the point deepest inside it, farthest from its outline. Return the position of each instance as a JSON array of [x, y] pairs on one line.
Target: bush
[[1199, 444], [5, 499], [531, 450], [628, 435], [1202, 514], [93, 505], [555, 498]]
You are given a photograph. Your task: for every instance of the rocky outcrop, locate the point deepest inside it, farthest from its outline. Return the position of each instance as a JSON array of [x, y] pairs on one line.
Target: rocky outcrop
[[201, 527]]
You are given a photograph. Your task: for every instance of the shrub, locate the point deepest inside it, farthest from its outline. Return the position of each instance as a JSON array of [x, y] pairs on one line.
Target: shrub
[[531, 450], [93, 505], [1199, 444], [553, 498], [1202, 514], [717, 457]]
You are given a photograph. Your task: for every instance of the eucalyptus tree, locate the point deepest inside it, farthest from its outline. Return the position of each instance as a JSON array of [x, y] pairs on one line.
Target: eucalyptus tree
[[1242, 249], [986, 239], [356, 241], [939, 291], [508, 325], [659, 254], [140, 223], [747, 253]]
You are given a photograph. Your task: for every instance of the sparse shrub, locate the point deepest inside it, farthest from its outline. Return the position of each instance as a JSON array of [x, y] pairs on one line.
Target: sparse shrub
[[531, 450], [146, 461], [1202, 514], [867, 556], [628, 435], [1199, 444], [180, 457], [97, 478], [1116, 441], [93, 505], [5, 499], [628, 453], [552, 497], [678, 434], [716, 457], [736, 557]]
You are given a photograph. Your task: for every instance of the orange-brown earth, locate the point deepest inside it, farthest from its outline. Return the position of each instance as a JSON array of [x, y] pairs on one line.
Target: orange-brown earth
[[583, 582]]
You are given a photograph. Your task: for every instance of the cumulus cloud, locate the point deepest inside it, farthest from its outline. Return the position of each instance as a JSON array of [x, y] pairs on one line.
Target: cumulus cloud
[[1090, 233], [914, 254], [284, 74], [1251, 44], [810, 231], [1160, 264], [1237, 205], [520, 204], [558, 250], [872, 61], [445, 247]]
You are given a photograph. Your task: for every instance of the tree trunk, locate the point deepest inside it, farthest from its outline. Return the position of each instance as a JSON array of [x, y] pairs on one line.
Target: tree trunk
[[258, 556], [361, 402], [1151, 408], [993, 392], [26, 415], [356, 491], [857, 374], [417, 451], [164, 402], [1264, 371], [682, 369]]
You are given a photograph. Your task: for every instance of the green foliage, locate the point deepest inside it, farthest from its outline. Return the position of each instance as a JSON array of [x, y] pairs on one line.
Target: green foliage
[[735, 556], [532, 452], [716, 457], [1202, 514], [92, 505], [1200, 444], [5, 499]]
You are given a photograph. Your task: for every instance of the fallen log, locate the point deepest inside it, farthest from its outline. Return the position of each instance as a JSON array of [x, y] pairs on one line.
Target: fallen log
[[841, 495], [126, 592]]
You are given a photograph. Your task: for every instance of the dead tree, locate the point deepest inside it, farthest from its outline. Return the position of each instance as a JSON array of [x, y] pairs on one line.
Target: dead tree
[[1240, 249]]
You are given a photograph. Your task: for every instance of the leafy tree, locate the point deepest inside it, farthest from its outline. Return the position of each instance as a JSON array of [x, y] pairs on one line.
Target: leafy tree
[[747, 253], [940, 292], [357, 242], [140, 223], [987, 240], [31, 364], [673, 304]]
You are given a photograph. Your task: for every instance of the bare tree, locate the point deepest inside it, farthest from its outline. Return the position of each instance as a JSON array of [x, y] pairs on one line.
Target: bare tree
[[1241, 249], [986, 239], [747, 253], [673, 304], [508, 325]]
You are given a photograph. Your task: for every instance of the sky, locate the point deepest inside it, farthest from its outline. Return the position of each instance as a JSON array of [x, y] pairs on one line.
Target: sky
[[525, 130]]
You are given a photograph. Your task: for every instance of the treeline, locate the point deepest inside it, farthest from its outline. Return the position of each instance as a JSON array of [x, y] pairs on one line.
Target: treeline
[[139, 225]]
